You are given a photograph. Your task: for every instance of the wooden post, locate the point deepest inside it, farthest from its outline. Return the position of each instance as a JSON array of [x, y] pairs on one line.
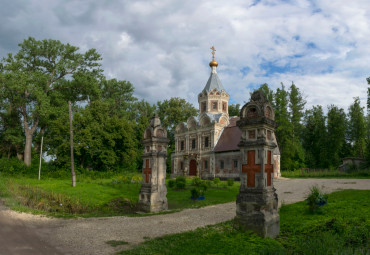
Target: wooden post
[[71, 141], [42, 141]]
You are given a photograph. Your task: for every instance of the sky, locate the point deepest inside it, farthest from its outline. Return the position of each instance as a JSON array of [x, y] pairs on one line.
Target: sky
[[163, 47]]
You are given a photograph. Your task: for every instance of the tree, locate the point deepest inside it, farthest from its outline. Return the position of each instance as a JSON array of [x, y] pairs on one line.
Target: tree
[[336, 127], [284, 129], [269, 94], [368, 96], [357, 128], [234, 110], [172, 112], [315, 138], [41, 71], [296, 107]]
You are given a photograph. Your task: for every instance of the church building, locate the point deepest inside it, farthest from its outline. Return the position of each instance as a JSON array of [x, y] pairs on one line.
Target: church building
[[207, 145]]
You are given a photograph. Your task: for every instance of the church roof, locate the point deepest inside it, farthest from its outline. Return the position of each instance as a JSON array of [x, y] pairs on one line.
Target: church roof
[[230, 137], [213, 83]]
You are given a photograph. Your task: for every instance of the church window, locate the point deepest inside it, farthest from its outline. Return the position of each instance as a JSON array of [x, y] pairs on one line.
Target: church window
[[206, 141], [214, 105], [252, 113], [268, 134], [193, 143], [222, 164], [182, 145], [235, 164], [182, 165], [224, 106], [205, 164], [252, 134], [204, 106]]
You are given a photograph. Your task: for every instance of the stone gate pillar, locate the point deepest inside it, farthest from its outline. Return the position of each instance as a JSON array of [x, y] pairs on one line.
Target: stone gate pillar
[[257, 201], [153, 192]]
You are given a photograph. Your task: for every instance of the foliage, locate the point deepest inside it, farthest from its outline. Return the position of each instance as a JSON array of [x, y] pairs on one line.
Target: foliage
[[315, 138], [216, 181], [171, 183], [325, 173], [230, 182], [357, 128], [172, 112], [341, 228], [316, 198], [42, 76], [234, 110], [196, 181], [95, 195], [180, 182]]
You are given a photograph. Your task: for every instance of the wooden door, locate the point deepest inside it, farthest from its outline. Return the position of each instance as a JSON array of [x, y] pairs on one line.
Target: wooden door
[[193, 167]]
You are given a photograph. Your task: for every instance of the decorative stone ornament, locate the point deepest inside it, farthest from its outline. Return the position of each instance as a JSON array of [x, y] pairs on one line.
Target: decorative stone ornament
[[257, 201], [153, 192]]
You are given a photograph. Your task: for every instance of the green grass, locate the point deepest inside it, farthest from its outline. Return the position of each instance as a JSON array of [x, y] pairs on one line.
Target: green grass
[[340, 227], [96, 198], [326, 173]]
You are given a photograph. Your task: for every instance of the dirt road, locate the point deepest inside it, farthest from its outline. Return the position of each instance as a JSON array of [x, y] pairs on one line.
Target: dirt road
[[22, 233]]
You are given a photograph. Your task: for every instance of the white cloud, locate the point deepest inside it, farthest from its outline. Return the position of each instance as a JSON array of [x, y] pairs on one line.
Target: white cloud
[[162, 47]]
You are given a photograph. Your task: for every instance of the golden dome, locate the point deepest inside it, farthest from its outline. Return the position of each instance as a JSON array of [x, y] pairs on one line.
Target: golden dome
[[213, 63]]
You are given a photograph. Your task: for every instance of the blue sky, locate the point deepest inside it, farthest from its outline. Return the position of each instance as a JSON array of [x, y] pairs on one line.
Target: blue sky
[[163, 47]]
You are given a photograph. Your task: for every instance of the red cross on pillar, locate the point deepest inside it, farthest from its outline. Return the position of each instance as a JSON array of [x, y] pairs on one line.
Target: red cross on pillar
[[251, 168], [147, 170], [269, 169]]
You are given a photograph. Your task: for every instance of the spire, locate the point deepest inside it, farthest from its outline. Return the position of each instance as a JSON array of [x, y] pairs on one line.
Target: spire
[[213, 81]]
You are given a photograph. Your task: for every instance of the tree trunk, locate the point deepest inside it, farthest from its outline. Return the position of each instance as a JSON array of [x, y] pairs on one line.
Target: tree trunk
[[71, 143], [28, 147]]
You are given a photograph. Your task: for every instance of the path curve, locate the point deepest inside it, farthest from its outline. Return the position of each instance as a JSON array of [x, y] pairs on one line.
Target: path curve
[[89, 236]]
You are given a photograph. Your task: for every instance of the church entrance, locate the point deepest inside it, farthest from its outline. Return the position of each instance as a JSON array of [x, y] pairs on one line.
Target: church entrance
[[193, 167]]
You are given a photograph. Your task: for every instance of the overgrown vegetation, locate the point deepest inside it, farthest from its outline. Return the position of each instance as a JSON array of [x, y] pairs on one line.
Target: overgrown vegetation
[[326, 173], [340, 227], [115, 195]]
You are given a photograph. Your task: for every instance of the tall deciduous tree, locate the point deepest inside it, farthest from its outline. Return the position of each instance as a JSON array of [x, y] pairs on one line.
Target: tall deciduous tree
[[171, 113], [42, 70], [234, 110], [357, 128]]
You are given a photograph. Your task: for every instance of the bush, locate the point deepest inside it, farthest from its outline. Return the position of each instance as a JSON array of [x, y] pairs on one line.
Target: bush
[[180, 182], [216, 181], [171, 183], [230, 182], [195, 193], [196, 181], [316, 199]]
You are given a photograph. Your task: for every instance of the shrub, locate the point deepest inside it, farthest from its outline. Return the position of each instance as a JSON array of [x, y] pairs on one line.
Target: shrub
[[195, 193], [171, 183], [316, 199], [203, 186], [196, 181], [230, 182], [180, 182], [216, 181]]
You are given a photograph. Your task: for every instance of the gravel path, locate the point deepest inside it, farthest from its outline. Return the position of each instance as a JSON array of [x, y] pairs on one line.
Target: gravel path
[[88, 236]]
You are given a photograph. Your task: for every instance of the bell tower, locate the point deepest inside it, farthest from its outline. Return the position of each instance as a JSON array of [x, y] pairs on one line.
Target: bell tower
[[213, 98]]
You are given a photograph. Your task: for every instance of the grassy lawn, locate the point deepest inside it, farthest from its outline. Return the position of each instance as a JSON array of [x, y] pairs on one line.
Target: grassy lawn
[[325, 173], [94, 198], [340, 227]]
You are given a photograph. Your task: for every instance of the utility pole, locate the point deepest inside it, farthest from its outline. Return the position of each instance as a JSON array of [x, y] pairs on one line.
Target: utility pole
[[42, 141], [71, 142]]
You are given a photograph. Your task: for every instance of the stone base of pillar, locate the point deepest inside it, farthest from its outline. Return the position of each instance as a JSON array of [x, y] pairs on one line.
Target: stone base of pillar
[[150, 200], [257, 210]]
